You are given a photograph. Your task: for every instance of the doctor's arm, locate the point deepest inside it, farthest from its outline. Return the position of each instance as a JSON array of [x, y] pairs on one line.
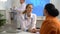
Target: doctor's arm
[[22, 24], [33, 28]]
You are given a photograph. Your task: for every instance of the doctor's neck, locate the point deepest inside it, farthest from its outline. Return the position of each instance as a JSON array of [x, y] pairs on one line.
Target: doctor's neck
[[22, 3], [28, 14]]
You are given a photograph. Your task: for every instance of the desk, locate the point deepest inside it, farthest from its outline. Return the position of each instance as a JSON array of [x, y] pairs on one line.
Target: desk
[[18, 33]]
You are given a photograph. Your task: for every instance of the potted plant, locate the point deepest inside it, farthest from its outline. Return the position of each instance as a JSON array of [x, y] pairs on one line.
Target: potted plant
[[2, 22]]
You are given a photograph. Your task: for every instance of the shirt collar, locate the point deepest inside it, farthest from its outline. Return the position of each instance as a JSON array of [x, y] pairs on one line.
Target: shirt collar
[[23, 3], [50, 18], [27, 16]]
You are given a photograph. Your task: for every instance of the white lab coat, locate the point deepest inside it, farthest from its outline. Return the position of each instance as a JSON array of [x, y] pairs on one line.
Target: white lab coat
[[29, 23], [19, 11]]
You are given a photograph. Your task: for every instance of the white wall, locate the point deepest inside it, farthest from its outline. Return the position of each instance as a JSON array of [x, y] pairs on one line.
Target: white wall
[[2, 5], [5, 4]]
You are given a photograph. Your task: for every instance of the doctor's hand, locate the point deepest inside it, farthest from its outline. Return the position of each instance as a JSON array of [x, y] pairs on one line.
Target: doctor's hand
[[32, 30]]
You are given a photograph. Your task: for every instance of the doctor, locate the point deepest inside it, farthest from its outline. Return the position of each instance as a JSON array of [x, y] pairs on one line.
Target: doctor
[[19, 11], [28, 19], [22, 6]]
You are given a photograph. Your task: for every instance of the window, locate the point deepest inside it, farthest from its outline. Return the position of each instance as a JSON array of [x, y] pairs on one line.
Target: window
[[5, 4], [2, 4], [38, 6], [3, 0]]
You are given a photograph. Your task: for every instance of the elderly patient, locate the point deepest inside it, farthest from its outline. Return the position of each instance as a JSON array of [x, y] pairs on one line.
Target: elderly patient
[[51, 24]]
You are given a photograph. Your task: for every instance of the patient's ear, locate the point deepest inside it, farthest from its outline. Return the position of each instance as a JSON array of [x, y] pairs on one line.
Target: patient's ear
[[45, 12]]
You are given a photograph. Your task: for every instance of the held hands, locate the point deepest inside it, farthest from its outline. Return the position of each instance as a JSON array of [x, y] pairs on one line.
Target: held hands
[[32, 30]]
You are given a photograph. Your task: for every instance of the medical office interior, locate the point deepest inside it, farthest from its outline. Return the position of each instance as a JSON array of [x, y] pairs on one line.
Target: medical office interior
[[7, 5]]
